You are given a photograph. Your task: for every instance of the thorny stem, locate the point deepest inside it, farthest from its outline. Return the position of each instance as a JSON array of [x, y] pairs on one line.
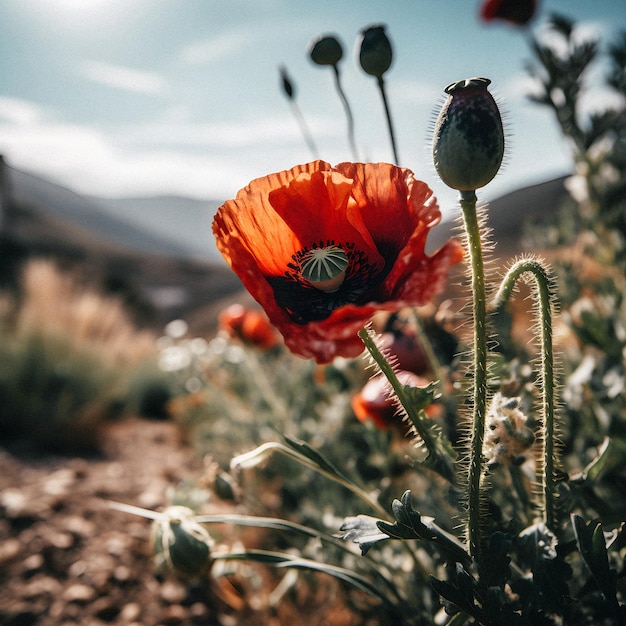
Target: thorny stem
[[543, 285], [348, 111], [398, 388], [479, 392], [381, 85]]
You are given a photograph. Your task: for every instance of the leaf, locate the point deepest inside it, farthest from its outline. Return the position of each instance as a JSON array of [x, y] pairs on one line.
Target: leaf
[[313, 455], [280, 559], [460, 592], [364, 531], [494, 567], [592, 548], [410, 524]]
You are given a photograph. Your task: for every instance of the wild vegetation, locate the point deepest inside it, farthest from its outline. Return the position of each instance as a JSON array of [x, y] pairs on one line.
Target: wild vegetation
[[479, 481]]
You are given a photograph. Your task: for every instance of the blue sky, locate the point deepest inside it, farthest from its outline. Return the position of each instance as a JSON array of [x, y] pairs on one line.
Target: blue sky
[[143, 97]]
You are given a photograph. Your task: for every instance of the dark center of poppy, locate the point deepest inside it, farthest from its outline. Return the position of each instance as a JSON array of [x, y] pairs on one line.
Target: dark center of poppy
[[322, 278]]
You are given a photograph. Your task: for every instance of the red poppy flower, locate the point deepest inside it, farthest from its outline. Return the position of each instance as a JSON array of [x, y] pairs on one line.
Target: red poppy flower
[[375, 401], [249, 325], [321, 248], [518, 12]]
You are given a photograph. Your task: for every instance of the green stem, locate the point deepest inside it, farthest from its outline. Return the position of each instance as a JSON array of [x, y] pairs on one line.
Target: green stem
[[381, 85], [543, 285], [479, 394], [348, 111], [254, 456], [304, 128], [440, 456]]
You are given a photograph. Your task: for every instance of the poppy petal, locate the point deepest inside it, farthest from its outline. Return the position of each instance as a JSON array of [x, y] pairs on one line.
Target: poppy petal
[[377, 213]]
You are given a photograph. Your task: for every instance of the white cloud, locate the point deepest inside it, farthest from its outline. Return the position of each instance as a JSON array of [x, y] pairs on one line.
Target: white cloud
[[125, 78], [93, 162], [265, 131], [210, 50], [19, 112]]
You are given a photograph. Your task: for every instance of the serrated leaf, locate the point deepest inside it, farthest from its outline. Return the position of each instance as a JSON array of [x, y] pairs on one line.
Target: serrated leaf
[[460, 592], [410, 524], [494, 567]]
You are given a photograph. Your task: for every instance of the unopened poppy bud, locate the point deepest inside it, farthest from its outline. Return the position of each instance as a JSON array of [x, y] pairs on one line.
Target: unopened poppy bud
[[375, 53], [180, 543], [326, 50], [468, 143], [287, 85]]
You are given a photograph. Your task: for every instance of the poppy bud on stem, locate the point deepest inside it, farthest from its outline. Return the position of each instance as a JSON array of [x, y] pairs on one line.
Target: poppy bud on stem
[[290, 93], [468, 147], [326, 50], [375, 57]]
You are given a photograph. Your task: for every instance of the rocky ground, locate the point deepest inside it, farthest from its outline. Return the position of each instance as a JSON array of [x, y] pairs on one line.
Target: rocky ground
[[67, 558]]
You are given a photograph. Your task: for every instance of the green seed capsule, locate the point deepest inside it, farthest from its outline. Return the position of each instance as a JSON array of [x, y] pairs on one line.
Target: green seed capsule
[[326, 50], [468, 143], [375, 53], [180, 543], [325, 268]]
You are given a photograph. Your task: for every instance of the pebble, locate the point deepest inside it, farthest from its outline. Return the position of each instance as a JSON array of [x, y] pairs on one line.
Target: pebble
[[130, 612], [9, 549], [81, 594]]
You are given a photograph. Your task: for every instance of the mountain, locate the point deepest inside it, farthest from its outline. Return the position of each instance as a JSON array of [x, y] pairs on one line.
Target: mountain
[[145, 225], [161, 276], [509, 215], [183, 222]]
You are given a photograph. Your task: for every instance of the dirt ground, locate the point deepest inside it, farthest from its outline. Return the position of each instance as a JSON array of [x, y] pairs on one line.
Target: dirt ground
[[67, 558]]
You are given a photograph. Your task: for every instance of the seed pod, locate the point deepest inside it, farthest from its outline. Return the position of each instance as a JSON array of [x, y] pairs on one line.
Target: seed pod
[[468, 142], [375, 54], [286, 83], [180, 543], [326, 50], [325, 268]]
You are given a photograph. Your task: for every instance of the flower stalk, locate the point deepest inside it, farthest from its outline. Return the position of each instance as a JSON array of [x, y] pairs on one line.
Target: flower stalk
[[392, 136], [544, 297], [479, 392]]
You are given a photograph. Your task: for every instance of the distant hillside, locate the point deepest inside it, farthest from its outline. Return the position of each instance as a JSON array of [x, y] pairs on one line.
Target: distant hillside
[[184, 222], [161, 277], [509, 216], [124, 223]]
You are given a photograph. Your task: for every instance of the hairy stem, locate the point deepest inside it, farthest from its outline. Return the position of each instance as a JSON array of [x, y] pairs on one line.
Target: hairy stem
[[543, 285], [479, 392]]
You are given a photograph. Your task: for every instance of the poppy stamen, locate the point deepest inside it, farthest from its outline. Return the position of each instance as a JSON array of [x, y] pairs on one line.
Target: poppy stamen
[[324, 268]]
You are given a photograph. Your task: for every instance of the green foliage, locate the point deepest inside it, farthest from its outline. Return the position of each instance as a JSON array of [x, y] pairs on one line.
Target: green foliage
[[315, 465], [53, 396]]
